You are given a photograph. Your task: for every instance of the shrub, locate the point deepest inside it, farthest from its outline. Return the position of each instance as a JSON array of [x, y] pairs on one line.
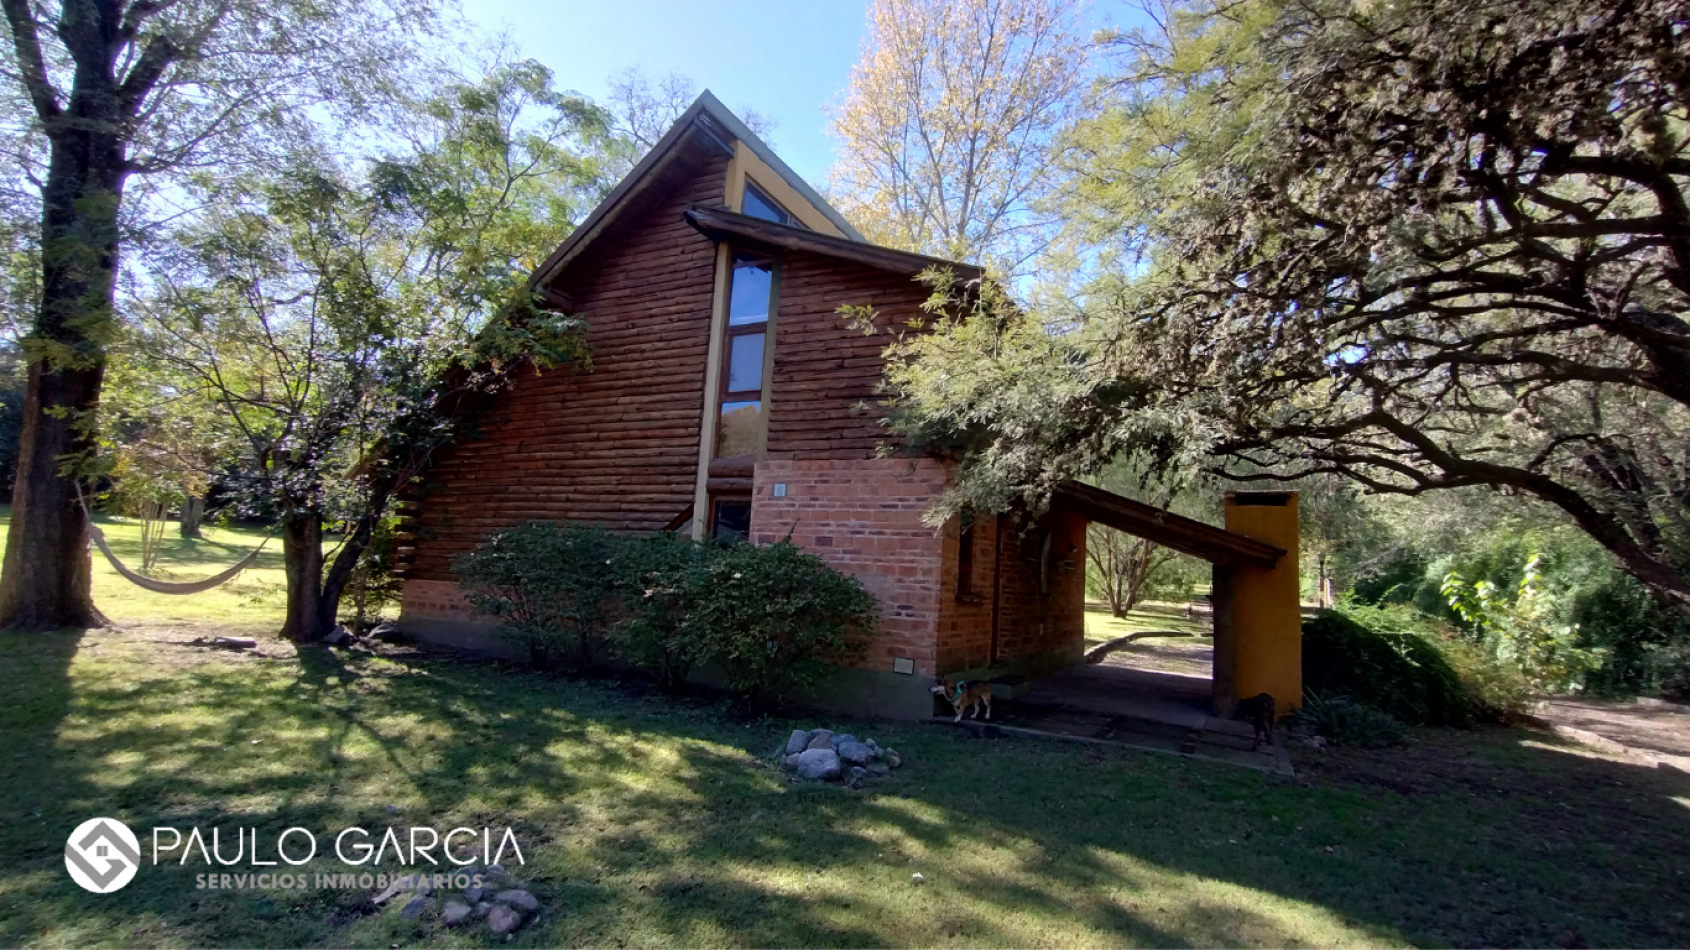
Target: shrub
[[775, 617], [1403, 673], [1647, 645], [1525, 631], [1343, 721], [550, 585], [662, 577]]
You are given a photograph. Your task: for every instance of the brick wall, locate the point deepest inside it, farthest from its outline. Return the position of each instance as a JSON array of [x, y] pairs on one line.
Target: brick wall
[[864, 517], [1042, 595]]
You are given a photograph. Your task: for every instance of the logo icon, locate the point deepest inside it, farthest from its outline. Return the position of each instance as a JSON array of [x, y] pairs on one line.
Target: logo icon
[[102, 855]]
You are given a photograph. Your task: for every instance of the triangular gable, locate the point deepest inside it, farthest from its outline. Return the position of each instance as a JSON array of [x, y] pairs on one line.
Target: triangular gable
[[716, 124]]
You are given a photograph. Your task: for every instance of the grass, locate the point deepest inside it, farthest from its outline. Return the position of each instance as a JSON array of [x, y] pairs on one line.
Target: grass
[[648, 821], [1192, 656], [252, 599]]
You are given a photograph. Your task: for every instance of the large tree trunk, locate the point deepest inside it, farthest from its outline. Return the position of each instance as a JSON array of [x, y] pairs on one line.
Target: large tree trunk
[[47, 570], [310, 616], [193, 512]]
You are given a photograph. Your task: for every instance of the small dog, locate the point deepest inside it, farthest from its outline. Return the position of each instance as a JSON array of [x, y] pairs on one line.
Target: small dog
[[1258, 711], [962, 695]]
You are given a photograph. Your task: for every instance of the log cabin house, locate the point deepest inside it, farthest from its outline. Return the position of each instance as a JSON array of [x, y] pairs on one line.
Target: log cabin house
[[729, 398]]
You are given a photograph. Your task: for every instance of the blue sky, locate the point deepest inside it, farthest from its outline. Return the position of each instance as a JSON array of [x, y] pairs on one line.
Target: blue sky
[[788, 60]]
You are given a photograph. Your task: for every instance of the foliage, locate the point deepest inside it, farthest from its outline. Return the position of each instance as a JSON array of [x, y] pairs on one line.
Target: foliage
[[552, 586], [97, 102], [1343, 721], [1398, 671], [345, 325], [640, 110], [1522, 632], [1646, 647], [947, 131], [776, 618], [373, 587], [1333, 258], [662, 577]]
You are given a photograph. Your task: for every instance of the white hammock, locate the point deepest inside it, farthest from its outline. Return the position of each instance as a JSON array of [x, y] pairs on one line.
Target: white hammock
[[158, 586]]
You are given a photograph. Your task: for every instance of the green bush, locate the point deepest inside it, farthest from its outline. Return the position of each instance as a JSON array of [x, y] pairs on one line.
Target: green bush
[[1402, 672], [551, 586], [775, 618], [1343, 721], [662, 577], [1647, 645]]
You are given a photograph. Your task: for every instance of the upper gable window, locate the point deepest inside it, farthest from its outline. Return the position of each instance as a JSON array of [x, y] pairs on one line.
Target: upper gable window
[[759, 205]]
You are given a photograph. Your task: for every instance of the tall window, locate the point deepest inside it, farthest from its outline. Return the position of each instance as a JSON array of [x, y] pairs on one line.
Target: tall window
[[749, 291]]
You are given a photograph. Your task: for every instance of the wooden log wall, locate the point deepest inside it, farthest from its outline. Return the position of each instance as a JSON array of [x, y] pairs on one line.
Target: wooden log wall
[[617, 445], [826, 370]]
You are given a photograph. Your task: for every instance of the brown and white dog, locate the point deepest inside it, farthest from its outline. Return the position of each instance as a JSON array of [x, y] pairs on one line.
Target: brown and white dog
[[961, 695], [1258, 711]]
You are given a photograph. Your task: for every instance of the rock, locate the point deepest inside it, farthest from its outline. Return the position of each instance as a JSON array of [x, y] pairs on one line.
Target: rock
[[415, 906], [858, 773], [456, 913], [893, 759], [855, 752], [495, 872], [823, 741], [872, 747], [473, 893], [503, 920], [791, 761], [234, 643], [916, 878], [1313, 742], [338, 635], [482, 908], [818, 764], [393, 809], [798, 743], [521, 900], [843, 738], [404, 884], [878, 768]]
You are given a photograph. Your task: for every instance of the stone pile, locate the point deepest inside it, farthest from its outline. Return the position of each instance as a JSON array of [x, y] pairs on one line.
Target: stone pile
[[824, 756], [471, 896]]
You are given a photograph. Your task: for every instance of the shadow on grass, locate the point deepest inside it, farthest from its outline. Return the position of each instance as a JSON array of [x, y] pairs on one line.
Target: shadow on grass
[[650, 821]]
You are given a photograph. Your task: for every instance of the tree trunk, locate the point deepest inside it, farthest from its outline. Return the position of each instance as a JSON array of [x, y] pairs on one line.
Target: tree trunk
[[44, 583], [193, 512], [310, 615]]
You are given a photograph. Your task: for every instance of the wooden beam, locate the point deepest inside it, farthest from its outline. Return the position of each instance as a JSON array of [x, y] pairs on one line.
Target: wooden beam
[[1182, 534]]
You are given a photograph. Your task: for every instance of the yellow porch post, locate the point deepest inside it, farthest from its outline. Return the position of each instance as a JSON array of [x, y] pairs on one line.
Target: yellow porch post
[[1267, 630]]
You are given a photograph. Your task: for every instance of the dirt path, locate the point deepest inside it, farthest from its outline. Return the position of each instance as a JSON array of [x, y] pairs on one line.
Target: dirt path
[[1643, 729]]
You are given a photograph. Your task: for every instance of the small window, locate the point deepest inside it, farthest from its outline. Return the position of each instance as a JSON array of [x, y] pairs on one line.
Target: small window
[[732, 521], [742, 424], [759, 205], [748, 297], [745, 363], [965, 554]]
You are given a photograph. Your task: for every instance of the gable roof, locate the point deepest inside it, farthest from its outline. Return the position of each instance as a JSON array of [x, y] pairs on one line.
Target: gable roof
[[718, 125], [719, 223]]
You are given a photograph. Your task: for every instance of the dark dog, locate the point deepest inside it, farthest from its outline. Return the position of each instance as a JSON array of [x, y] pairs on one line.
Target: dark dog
[[962, 695], [1258, 711]]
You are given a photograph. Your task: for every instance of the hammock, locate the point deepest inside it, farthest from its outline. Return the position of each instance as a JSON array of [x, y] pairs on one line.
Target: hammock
[[158, 586]]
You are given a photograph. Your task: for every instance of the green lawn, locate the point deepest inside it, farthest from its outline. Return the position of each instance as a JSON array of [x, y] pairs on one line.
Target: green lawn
[[252, 599], [1100, 626], [649, 821]]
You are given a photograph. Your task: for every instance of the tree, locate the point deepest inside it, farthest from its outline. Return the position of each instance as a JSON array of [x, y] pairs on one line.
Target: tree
[[641, 109], [947, 133], [117, 89], [345, 324], [1421, 246]]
